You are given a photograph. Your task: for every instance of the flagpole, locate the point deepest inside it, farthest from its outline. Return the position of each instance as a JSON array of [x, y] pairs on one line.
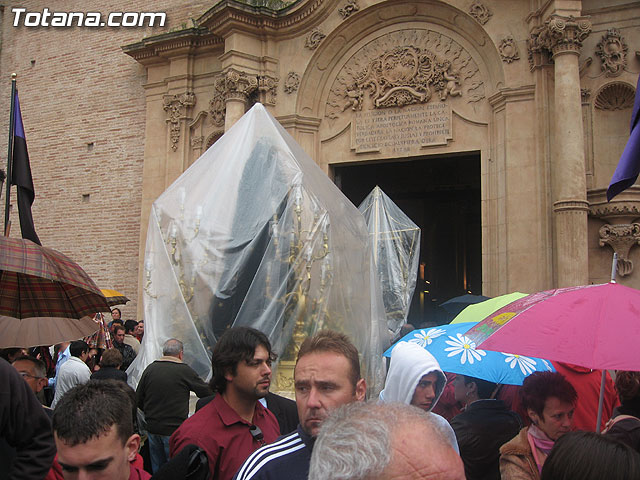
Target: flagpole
[[7, 203]]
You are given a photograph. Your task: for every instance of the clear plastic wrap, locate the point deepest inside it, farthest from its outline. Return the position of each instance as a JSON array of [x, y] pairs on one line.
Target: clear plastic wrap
[[395, 243], [255, 234]]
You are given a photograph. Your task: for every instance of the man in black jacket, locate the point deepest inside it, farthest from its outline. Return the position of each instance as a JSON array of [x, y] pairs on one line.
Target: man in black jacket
[[482, 428], [163, 395]]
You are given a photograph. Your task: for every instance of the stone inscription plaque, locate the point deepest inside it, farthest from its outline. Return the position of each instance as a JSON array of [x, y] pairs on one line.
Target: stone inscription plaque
[[402, 131]]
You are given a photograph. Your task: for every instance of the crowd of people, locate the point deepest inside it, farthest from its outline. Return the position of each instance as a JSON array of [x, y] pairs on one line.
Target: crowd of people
[[99, 427]]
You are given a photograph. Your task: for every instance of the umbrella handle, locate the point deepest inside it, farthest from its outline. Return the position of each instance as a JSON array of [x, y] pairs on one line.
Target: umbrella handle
[[601, 399], [614, 267]]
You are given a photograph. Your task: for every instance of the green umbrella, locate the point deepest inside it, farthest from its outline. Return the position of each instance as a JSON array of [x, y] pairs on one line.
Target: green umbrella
[[481, 310]]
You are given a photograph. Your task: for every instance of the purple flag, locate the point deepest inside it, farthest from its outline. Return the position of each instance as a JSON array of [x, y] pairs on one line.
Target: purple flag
[[629, 165], [21, 177]]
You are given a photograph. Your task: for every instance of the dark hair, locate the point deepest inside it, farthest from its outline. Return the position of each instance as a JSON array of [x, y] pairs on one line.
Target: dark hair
[[78, 347], [484, 388], [627, 385], [119, 311], [590, 456], [539, 386], [129, 326], [111, 358], [7, 353], [331, 341], [38, 365], [90, 410], [117, 327], [235, 345]]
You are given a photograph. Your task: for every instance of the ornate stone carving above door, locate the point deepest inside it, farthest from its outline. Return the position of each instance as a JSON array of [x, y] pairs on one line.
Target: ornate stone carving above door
[[403, 68]]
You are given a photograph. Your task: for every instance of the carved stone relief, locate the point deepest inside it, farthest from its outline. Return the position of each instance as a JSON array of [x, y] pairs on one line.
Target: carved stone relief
[[615, 96], [232, 84], [268, 88], [612, 50], [558, 34], [292, 82], [621, 238], [350, 7], [403, 68], [480, 12], [585, 93], [176, 106], [314, 38], [508, 49]]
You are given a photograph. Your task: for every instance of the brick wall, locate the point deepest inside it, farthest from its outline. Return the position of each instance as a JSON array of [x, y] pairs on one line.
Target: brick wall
[[83, 107]]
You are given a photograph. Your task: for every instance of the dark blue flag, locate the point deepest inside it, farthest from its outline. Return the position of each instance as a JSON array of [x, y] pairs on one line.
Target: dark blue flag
[[21, 176], [629, 165]]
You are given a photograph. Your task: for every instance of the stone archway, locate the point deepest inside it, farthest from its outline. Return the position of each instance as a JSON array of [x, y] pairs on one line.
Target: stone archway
[[406, 63]]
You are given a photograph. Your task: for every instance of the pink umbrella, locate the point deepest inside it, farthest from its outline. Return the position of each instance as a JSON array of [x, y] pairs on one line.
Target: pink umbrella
[[595, 326]]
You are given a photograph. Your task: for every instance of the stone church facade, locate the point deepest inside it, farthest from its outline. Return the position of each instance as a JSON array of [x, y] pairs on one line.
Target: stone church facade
[[539, 92]]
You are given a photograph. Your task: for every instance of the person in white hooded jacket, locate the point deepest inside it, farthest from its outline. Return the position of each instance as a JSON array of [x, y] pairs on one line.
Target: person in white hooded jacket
[[415, 378]]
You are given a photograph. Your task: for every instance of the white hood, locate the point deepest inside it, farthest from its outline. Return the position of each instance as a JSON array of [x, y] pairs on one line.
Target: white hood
[[409, 363]]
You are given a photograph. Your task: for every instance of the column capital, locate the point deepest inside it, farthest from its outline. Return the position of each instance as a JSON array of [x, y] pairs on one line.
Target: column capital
[[558, 35]]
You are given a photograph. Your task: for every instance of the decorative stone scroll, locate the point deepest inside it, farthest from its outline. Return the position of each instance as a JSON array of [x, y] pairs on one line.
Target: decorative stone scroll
[[402, 68], [350, 7], [621, 238], [231, 84], [480, 12], [314, 38], [291, 83], [612, 50], [176, 106], [558, 34], [508, 49]]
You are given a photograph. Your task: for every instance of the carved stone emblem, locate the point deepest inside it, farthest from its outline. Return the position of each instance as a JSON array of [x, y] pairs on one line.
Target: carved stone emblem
[[314, 38], [176, 106], [615, 96], [350, 7], [480, 12], [292, 82], [403, 68], [612, 50], [621, 238], [508, 49]]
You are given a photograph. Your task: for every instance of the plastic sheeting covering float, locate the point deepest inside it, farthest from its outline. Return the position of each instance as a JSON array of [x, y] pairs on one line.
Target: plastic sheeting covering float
[[255, 234], [395, 243]]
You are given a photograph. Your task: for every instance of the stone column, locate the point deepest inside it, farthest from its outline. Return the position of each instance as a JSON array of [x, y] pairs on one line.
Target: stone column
[[235, 87], [563, 37]]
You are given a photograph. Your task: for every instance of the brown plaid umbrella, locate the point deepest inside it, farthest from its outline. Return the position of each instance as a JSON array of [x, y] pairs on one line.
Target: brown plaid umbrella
[[45, 297]]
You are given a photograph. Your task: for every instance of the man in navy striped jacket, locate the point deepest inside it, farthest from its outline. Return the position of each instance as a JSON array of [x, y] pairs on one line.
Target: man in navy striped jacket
[[326, 376]]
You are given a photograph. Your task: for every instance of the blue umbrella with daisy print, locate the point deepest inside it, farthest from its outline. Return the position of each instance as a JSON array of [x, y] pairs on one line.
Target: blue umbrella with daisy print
[[457, 353]]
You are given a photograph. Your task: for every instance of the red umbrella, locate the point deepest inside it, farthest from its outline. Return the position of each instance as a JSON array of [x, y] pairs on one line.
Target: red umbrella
[[46, 297]]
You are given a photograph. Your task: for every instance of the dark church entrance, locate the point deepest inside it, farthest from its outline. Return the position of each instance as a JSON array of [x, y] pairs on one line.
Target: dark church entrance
[[442, 196]]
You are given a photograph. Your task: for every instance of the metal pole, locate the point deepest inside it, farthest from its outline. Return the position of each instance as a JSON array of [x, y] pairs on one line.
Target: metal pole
[[12, 120], [614, 266], [601, 400]]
